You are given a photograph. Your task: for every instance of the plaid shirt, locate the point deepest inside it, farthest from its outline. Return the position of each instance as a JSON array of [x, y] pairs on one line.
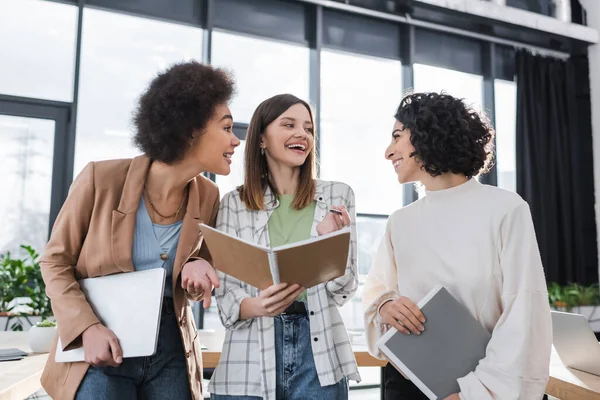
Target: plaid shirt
[[247, 364]]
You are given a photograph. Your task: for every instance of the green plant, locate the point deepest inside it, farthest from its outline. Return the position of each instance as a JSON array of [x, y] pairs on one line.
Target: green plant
[[22, 277], [557, 297], [583, 295], [46, 324]]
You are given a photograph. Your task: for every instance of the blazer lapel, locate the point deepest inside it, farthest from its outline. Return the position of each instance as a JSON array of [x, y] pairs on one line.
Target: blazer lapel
[[189, 238], [123, 218]]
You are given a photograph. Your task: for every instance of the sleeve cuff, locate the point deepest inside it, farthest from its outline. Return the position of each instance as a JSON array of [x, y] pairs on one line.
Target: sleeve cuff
[[379, 318]]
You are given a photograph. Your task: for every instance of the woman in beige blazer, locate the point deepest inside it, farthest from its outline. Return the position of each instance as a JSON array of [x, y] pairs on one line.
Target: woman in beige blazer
[[141, 213]]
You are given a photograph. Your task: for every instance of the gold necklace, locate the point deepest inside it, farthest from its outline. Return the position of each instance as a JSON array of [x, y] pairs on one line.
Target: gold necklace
[[163, 217]]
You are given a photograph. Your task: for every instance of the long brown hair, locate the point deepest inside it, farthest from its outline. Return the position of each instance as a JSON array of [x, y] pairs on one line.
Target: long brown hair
[[256, 177]]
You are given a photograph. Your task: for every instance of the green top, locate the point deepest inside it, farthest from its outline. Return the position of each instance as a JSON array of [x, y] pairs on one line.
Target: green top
[[288, 225]]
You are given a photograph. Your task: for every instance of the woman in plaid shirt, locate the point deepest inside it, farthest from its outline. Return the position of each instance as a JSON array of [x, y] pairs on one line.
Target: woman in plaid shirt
[[285, 342]]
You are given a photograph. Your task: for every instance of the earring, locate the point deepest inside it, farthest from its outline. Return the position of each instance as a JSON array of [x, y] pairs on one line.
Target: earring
[[262, 151]]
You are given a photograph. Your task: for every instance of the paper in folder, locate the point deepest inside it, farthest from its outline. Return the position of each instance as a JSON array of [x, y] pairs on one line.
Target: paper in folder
[[451, 346], [308, 262]]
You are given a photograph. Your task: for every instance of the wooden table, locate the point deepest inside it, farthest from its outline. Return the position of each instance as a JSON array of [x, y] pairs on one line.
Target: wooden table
[[19, 379], [566, 383], [210, 358]]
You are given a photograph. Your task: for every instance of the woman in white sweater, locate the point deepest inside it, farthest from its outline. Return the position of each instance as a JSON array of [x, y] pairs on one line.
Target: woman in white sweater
[[478, 241]]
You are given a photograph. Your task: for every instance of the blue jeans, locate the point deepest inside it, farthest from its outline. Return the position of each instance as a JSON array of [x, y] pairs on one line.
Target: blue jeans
[[161, 376], [296, 372]]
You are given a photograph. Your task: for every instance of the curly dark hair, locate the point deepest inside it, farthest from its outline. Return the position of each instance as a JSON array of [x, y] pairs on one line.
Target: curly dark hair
[[447, 135], [178, 102]]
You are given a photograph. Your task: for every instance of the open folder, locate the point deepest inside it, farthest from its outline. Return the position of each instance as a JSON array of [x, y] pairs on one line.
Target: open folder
[[308, 262]]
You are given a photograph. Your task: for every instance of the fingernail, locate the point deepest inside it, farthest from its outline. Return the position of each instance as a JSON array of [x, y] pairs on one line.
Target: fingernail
[[423, 320], [421, 328]]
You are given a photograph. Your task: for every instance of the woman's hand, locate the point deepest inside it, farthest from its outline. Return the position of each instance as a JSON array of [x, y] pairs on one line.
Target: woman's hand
[[101, 347], [270, 302], [454, 396], [199, 277], [333, 221], [404, 315]]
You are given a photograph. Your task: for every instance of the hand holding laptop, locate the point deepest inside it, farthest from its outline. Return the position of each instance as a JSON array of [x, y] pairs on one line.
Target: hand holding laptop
[[404, 315], [101, 347]]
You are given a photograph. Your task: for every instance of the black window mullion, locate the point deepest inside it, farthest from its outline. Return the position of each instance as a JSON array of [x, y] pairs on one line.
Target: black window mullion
[[409, 193], [489, 101], [316, 28]]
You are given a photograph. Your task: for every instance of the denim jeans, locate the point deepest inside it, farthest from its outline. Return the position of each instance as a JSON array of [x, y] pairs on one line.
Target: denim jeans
[[161, 376], [296, 374]]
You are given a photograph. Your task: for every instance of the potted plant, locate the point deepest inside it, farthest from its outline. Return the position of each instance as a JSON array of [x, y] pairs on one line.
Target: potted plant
[[22, 290], [585, 300], [558, 298], [41, 336]]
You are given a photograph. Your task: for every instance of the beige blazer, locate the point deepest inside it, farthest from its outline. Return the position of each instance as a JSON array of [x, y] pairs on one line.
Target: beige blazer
[[93, 236]]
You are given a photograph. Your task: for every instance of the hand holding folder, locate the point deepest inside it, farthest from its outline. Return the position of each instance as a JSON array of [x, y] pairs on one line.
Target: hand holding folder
[[307, 263]]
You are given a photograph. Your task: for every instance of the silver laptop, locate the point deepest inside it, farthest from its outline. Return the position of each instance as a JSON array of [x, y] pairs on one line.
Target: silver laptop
[[575, 342], [130, 305]]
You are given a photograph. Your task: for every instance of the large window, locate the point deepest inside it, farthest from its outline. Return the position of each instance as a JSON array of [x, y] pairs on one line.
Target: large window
[[506, 125], [458, 84], [468, 87], [359, 95], [26, 159], [37, 48], [262, 69], [120, 56]]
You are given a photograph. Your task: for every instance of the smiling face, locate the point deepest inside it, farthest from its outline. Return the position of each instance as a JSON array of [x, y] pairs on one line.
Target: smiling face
[[215, 146], [399, 153], [288, 140]]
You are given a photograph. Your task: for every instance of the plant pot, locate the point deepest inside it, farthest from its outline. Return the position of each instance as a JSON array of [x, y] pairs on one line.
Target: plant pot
[[41, 338]]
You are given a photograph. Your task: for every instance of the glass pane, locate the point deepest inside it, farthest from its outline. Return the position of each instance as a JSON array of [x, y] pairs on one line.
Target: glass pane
[[37, 44], [188, 11], [545, 7], [357, 116], [358, 34], [458, 84], [262, 68], [281, 20], [236, 177], [26, 173], [506, 126], [370, 231], [114, 73]]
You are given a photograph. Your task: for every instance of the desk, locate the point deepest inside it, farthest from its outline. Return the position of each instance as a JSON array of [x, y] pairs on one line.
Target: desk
[[19, 379], [210, 358]]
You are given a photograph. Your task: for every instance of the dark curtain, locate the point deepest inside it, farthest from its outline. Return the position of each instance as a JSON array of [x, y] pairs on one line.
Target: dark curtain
[[555, 163]]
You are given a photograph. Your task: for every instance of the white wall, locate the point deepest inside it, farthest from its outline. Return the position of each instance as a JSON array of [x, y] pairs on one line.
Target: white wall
[[593, 18]]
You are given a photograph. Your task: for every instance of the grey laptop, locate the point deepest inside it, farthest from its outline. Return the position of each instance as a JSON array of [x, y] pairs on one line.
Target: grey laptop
[[575, 342], [130, 305], [450, 347]]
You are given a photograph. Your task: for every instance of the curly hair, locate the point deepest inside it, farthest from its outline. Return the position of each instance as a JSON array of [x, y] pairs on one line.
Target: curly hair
[[178, 102], [447, 135]]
